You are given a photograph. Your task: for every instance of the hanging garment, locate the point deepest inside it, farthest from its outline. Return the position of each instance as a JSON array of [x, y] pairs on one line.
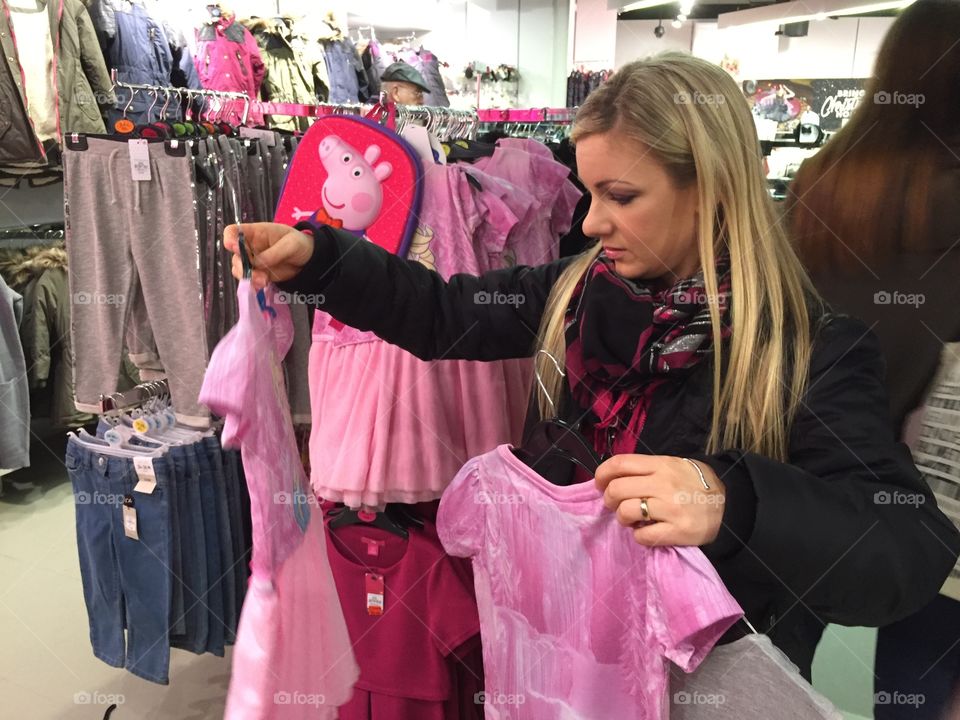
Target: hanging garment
[[371, 70], [291, 622], [136, 46], [429, 67], [228, 59], [30, 20], [14, 392], [426, 608], [345, 71], [118, 274], [286, 75], [450, 411], [748, 679], [578, 619], [82, 83]]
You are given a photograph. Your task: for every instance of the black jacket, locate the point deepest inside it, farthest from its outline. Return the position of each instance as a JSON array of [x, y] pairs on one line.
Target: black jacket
[[828, 537]]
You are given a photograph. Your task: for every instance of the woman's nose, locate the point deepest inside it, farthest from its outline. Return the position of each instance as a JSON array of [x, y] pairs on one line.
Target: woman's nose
[[595, 224]]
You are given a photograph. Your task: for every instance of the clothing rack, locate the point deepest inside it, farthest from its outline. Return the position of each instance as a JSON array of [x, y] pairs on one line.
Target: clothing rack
[[220, 95], [513, 115], [135, 397]]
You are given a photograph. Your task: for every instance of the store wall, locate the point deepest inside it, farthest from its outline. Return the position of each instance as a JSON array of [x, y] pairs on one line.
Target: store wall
[[845, 47], [595, 35]]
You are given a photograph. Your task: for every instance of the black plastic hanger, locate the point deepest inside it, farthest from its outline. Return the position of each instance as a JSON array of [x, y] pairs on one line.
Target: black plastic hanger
[[344, 516]]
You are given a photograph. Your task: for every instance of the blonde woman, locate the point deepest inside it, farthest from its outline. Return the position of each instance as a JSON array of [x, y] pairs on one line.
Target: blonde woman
[[737, 413]]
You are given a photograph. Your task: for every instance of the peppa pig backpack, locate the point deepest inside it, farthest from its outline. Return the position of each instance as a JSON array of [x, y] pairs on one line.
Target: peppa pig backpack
[[353, 174]]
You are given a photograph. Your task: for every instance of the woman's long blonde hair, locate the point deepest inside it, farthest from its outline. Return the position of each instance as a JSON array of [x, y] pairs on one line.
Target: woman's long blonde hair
[[692, 117]]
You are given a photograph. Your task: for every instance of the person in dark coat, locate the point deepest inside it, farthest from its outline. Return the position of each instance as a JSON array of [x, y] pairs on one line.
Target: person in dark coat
[[876, 219], [737, 413]]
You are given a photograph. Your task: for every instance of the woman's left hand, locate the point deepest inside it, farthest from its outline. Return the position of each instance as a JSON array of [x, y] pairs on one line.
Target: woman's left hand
[[680, 511]]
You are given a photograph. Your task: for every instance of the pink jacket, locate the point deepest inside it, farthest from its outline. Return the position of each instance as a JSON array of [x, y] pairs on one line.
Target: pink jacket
[[228, 59]]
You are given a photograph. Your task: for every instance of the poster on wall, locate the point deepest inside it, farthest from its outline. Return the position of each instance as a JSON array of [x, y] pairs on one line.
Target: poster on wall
[[784, 104]]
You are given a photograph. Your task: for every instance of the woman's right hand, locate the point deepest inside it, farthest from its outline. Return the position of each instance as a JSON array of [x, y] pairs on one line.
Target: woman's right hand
[[278, 252]]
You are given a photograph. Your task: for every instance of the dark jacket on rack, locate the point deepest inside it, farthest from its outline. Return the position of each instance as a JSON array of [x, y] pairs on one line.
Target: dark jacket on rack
[[287, 76], [348, 81], [804, 543], [136, 45], [82, 82]]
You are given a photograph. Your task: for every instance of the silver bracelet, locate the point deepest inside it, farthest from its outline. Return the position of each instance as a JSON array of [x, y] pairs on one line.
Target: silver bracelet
[[703, 480]]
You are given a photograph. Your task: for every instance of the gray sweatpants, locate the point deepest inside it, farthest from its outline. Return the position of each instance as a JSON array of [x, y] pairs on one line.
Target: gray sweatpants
[[134, 264]]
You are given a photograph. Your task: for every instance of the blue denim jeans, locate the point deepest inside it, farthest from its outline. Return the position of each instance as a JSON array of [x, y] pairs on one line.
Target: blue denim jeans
[[227, 559], [211, 551], [192, 542], [240, 521], [126, 582], [177, 623]]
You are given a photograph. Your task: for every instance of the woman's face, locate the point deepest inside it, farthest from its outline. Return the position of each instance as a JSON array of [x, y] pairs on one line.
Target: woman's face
[[646, 225]]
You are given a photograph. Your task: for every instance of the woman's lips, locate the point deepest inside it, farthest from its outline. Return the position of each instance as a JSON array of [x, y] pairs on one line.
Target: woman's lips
[[614, 253]]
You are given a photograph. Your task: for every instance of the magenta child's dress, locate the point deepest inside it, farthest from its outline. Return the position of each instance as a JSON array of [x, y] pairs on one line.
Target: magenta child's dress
[[293, 657]]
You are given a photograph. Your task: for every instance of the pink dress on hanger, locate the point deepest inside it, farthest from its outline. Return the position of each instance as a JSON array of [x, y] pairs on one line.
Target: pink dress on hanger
[[578, 620], [388, 427], [293, 658]]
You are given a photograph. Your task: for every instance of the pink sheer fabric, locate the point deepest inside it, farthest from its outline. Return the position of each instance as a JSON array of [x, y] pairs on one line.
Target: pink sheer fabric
[[293, 657], [578, 620]]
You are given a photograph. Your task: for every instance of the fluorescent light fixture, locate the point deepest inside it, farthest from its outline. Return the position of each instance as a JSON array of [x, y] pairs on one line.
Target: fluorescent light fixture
[[791, 12], [644, 4], [681, 17], [686, 6], [677, 24]]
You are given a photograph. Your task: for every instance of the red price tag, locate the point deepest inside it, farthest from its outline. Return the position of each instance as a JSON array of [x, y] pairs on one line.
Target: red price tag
[[374, 584]]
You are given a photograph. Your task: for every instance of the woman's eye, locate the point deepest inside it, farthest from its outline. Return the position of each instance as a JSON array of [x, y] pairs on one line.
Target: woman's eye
[[622, 199]]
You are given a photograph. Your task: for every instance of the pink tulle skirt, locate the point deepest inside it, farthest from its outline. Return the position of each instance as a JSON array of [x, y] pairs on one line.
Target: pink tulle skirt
[[388, 427]]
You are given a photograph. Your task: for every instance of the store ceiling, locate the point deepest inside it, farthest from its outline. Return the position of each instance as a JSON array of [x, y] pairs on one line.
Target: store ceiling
[[707, 10]]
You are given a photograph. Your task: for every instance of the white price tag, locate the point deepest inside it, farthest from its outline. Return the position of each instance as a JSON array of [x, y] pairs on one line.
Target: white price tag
[[130, 519], [145, 474], [139, 159]]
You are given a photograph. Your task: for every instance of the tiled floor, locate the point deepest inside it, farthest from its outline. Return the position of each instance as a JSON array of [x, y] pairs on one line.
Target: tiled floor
[[47, 671]]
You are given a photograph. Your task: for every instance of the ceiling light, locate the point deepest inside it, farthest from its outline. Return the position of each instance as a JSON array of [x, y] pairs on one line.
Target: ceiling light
[[681, 17], [802, 10], [677, 24], [644, 4]]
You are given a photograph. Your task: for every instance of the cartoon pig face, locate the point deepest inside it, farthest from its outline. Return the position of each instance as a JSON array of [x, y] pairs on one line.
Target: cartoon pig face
[[352, 191]]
